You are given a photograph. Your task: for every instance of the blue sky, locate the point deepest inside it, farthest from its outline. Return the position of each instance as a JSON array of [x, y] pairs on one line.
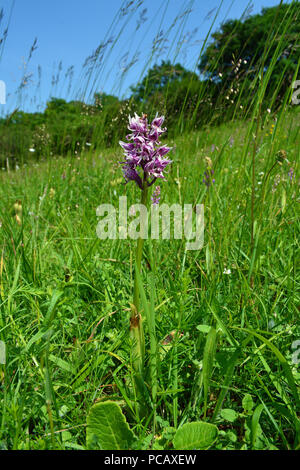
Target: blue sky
[[69, 31]]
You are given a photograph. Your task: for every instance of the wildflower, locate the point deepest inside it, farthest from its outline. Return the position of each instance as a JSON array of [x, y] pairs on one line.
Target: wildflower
[[51, 192], [207, 180], [291, 174], [31, 150], [156, 195], [144, 157], [227, 271], [144, 162], [277, 180]]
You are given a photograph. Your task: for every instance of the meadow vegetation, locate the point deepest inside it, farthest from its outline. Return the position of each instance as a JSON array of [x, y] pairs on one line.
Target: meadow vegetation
[[221, 323]]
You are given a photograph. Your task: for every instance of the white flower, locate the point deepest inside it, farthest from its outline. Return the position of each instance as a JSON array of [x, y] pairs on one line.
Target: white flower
[[31, 150], [227, 271]]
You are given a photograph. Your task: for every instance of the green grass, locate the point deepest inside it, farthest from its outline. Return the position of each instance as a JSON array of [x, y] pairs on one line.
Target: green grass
[[65, 296]]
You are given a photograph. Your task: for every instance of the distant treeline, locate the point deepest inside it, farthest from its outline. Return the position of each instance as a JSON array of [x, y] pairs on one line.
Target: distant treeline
[[247, 62]]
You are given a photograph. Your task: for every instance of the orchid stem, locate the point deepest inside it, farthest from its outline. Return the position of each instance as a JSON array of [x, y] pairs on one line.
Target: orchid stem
[[136, 320]]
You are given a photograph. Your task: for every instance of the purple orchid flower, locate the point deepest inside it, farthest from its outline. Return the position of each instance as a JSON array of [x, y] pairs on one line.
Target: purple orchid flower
[[144, 155]]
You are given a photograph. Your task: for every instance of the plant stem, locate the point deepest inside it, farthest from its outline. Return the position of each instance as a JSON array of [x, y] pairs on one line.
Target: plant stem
[[136, 321]]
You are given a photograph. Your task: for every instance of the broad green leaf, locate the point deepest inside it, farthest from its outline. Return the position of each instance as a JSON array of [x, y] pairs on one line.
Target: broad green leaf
[[247, 403], [255, 424], [203, 328], [228, 414], [107, 428], [195, 436]]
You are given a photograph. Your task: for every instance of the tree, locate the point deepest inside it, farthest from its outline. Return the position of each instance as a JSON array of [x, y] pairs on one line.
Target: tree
[[56, 105], [103, 99], [238, 51], [158, 78]]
